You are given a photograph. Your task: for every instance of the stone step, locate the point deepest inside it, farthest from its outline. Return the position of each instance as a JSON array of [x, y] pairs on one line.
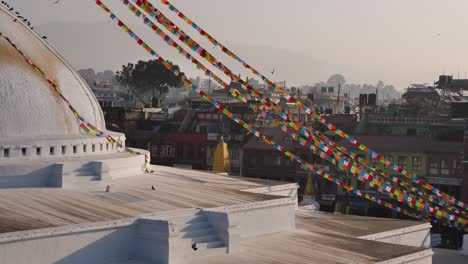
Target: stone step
[[178, 213], [187, 219], [197, 232], [207, 252], [209, 245], [191, 226], [204, 239]]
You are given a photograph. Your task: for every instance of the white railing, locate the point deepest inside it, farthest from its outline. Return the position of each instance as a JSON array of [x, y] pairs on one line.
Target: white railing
[[405, 120]]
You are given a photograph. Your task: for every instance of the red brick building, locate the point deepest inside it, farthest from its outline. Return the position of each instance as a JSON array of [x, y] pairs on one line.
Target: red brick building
[[179, 148]]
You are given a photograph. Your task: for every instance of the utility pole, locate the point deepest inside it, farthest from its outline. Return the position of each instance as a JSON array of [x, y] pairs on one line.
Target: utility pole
[[209, 85], [338, 99]]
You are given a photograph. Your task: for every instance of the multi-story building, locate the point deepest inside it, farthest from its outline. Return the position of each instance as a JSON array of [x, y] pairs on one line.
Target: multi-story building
[[437, 162]]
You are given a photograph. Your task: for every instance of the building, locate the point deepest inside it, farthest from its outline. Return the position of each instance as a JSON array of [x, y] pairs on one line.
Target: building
[[439, 163], [96, 205], [179, 149]]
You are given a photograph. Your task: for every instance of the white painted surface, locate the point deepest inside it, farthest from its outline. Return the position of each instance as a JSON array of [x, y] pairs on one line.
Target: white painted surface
[[259, 218], [99, 246], [416, 236], [76, 174], [28, 106], [423, 257], [285, 190], [464, 250]]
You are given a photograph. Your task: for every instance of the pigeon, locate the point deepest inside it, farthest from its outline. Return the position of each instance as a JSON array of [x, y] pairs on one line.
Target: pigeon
[[194, 246], [152, 188]]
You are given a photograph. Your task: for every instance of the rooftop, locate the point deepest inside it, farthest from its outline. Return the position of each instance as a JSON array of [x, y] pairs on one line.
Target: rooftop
[[321, 238], [34, 208]]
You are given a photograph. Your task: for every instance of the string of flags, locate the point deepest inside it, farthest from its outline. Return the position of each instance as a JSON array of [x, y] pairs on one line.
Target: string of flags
[[171, 27], [251, 130], [450, 199], [87, 127], [384, 186]]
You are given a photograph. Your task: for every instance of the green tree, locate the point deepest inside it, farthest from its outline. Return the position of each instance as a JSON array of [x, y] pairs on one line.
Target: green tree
[[149, 76]]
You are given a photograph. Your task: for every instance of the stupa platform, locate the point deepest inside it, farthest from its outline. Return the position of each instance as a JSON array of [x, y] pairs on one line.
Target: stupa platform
[[233, 220]]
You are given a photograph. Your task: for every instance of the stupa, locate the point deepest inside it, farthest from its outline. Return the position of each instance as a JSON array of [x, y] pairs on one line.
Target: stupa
[[41, 142]]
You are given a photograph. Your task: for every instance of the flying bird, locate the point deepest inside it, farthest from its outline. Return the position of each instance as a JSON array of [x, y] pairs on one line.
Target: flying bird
[[56, 2], [152, 188], [44, 37], [273, 72]]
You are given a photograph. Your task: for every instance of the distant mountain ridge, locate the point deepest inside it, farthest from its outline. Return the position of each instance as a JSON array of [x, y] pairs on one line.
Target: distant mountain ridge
[[102, 46]]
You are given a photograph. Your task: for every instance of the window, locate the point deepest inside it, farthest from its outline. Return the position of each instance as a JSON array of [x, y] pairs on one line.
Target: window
[[24, 151], [75, 149], [64, 150], [38, 151], [107, 146], [417, 163], [154, 151], [101, 147], [444, 167], [455, 169], [389, 158], [6, 153], [411, 132], [402, 161], [52, 151], [434, 167], [85, 148], [188, 151], [277, 160], [93, 148]]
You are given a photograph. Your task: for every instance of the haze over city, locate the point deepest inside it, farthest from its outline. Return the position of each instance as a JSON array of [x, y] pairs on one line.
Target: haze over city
[[398, 42]]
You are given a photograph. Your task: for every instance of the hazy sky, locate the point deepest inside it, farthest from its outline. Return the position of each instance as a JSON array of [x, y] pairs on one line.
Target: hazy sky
[[397, 41]]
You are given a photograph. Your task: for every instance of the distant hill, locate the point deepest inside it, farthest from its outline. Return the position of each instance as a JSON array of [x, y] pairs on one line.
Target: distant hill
[[103, 46]]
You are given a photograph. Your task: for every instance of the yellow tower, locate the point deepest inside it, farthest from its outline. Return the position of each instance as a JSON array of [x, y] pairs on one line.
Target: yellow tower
[[221, 157], [308, 201]]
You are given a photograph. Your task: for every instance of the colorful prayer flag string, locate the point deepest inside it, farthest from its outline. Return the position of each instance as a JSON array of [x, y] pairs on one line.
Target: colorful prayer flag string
[[292, 99], [375, 180], [220, 108]]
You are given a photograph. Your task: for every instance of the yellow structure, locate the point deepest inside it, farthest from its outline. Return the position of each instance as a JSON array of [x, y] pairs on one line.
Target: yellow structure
[[221, 157], [310, 188]]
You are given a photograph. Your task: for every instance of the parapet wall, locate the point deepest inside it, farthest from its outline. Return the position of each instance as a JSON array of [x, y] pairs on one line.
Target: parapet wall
[[416, 236], [73, 173]]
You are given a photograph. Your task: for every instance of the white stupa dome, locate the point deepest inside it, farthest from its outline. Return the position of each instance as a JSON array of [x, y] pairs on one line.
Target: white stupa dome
[[32, 115]]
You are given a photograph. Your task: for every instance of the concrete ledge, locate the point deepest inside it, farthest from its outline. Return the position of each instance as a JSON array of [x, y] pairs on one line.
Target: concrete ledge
[[415, 258], [417, 236]]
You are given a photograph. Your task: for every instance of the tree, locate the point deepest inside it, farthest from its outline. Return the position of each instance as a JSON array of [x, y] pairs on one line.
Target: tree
[[336, 79], [149, 76]]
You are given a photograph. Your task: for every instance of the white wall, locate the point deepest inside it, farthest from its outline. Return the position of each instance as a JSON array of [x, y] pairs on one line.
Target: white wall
[[97, 246], [416, 236], [257, 218], [152, 242], [27, 176]]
